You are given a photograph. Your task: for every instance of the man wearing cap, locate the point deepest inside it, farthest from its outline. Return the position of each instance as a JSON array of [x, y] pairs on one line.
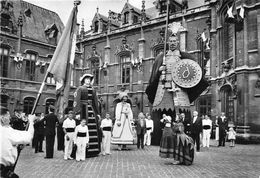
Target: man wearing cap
[[68, 127], [11, 138], [85, 106], [50, 126]]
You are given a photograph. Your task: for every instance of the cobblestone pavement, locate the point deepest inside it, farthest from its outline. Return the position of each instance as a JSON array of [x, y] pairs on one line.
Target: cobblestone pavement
[[241, 161]]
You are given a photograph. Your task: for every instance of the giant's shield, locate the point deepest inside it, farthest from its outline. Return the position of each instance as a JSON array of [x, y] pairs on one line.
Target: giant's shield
[[186, 73]]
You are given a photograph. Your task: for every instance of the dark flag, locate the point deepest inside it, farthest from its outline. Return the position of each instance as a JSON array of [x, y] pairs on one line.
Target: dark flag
[[62, 62]]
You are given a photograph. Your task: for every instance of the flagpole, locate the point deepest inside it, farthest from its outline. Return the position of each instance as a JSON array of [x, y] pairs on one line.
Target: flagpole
[[39, 93], [165, 42]]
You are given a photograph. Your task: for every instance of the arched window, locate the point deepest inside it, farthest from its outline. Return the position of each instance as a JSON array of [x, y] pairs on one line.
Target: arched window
[[28, 104], [30, 61], [96, 26], [204, 105], [135, 19], [4, 56], [126, 17], [49, 102], [227, 101], [125, 68]]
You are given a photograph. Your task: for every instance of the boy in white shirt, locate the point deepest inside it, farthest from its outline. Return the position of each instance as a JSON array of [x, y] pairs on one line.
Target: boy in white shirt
[[68, 127], [81, 139], [106, 127]]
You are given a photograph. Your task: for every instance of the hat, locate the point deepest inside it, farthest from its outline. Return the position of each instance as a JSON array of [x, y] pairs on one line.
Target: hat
[[85, 76], [71, 112], [122, 94]]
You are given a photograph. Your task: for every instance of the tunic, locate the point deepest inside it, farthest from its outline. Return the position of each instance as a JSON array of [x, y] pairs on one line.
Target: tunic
[[123, 131]]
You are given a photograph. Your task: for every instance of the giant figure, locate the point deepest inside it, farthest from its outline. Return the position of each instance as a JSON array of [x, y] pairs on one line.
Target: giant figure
[[86, 107], [173, 85], [123, 134]]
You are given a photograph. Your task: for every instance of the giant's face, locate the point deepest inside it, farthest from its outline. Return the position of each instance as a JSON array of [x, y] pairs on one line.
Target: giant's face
[[87, 81], [173, 43], [125, 98]]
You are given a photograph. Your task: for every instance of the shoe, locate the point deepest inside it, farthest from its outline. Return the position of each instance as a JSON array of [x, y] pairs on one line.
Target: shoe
[[41, 151], [104, 154], [70, 158], [48, 157], [176, 162], [65, 158], [36, 152], [108, 153]]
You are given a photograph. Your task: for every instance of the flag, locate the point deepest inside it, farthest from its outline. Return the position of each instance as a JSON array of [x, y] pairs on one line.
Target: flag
[[242, 12], [62, 62], [203, 37]]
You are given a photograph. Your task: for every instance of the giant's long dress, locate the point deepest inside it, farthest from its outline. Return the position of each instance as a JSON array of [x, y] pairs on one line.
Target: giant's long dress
[[123, 130]]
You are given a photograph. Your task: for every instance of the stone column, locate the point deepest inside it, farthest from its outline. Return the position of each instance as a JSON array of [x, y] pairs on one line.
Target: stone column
[[183, 35]]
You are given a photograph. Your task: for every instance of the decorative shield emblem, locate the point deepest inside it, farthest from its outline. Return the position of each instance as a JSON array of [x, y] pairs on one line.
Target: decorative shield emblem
[[186, 73]]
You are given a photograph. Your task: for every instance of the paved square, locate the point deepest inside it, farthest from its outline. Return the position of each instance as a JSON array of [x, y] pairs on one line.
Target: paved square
[[241, 161]]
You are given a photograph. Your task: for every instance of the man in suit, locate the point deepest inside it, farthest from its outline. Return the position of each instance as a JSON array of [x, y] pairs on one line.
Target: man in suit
[[50, 125], [186, 122], [223, 126], [38, 133], [140, 130], [196, 129]]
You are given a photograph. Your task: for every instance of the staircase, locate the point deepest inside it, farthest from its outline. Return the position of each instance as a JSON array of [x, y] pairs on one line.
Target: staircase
[[94, 144]]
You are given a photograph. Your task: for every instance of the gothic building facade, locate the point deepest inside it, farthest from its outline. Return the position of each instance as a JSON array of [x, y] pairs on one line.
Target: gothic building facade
[[120, 50], [234, 55], [29, 35]]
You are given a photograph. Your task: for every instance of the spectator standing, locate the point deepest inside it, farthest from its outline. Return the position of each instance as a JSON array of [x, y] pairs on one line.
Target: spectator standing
[[106, 128], [68, 127], [232, 136], [38, 133], [167, 140], [149, 130], [196, 129], [140, 130], [223, 125], [186, 122], [50, 126], [81, 139], [207, 127]]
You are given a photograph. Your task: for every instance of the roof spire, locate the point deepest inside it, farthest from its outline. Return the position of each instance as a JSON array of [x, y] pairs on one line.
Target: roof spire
[[82, 27], [97, 9], [143, 15]]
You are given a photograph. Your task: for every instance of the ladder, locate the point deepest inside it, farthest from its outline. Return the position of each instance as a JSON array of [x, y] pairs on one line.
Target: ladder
[[94, 142]]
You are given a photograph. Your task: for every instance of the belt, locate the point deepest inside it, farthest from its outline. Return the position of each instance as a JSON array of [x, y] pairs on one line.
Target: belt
[[70, 129], [107, 128], [149, 128], [206, 127], [81, 134]]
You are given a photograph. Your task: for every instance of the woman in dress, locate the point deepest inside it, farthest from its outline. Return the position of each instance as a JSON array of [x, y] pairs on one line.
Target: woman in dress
[[167, 140], [123, 134]]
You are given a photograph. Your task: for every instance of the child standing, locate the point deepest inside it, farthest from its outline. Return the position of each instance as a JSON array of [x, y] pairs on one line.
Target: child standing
[[81, 140], [232, 136]]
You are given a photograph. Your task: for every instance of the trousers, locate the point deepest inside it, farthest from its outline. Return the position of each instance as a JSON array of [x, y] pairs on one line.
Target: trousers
[[81, 148], [206, 137], [68, 143], [147, 137], [106, 141]]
